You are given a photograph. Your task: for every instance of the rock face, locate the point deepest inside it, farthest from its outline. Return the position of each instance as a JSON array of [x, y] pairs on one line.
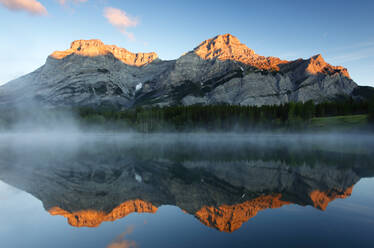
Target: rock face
[[228, 47], [93, 48], [219, 70]]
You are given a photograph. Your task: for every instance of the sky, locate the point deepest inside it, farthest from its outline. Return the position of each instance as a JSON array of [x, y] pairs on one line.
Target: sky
[[342, 31]]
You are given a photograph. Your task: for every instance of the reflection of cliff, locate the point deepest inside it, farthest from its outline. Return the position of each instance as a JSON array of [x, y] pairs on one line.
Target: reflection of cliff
[[229, 218], [225, 218], [92, 184], [322, 199], [93, 218], [222, 196]]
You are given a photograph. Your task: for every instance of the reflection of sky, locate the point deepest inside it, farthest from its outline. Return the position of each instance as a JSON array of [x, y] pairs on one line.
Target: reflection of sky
[[7, 192], [345, 223], [360, 204]]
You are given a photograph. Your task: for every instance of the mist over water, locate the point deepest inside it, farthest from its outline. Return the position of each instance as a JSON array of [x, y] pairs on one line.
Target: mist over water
[[61, 143], [214, 188]]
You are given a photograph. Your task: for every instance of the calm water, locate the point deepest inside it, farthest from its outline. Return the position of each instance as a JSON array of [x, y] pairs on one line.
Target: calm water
[[121, 191]]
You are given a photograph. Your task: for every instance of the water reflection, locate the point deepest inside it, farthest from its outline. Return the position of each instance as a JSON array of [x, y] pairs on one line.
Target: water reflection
[[223, 180]]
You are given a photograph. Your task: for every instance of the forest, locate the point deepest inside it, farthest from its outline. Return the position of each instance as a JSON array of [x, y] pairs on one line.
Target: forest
[[212, 118], [290, 116]]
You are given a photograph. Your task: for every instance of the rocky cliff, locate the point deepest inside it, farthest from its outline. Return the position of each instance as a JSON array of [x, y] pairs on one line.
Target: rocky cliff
[[93, 48], [219, 70]]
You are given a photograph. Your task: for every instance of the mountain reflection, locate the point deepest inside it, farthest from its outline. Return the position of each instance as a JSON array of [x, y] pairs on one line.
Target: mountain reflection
[[222, 181]]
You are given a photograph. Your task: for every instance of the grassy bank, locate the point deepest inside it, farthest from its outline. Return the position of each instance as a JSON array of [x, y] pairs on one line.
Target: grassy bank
[[339, 122]]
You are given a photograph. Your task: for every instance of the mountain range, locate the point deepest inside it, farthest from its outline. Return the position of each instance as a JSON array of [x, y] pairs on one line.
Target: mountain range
[[219, 70]]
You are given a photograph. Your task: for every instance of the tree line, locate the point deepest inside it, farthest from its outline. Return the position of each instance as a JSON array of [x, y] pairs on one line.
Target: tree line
[[222, 117]]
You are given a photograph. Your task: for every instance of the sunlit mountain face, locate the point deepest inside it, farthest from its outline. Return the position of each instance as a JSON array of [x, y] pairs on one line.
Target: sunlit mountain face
[[222, 180], [219, 70]]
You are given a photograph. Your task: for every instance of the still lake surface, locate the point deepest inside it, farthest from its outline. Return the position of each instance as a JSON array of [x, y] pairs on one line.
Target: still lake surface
[[187, 190]]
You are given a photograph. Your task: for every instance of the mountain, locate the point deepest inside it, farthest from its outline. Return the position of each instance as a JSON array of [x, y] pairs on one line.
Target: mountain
[[219, 70]]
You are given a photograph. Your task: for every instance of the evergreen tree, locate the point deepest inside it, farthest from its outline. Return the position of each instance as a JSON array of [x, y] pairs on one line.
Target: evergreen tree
[[371, 111]]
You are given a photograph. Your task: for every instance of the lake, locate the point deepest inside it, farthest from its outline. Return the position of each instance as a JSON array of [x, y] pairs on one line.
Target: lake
[[186, 190]]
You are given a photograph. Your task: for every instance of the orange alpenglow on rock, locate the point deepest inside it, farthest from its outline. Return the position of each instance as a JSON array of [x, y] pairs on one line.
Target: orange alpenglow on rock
[[322, 199], [225, 218], [318, 65], [92, 48], [93, 218], [230, 218], [228, 47]]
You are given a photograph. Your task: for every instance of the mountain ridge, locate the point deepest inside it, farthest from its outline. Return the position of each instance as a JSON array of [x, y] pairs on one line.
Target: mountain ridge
[[96, 47], [228, 47], [222, 47], [219, 70]]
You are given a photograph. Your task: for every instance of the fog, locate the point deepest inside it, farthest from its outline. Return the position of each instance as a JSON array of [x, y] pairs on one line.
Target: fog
[[45, 136], [78, 170], [63, 129], [22, 145]]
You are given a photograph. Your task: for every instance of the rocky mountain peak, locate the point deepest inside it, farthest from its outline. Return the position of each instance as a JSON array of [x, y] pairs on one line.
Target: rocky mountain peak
[[318, 60], [317, 64], [219, 70], [228, 47], [223, 47], [318, 57], [95, 47], [87, 46]]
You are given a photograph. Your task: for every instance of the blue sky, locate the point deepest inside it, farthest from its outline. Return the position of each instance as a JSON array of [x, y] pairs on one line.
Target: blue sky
[[342, 31]]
